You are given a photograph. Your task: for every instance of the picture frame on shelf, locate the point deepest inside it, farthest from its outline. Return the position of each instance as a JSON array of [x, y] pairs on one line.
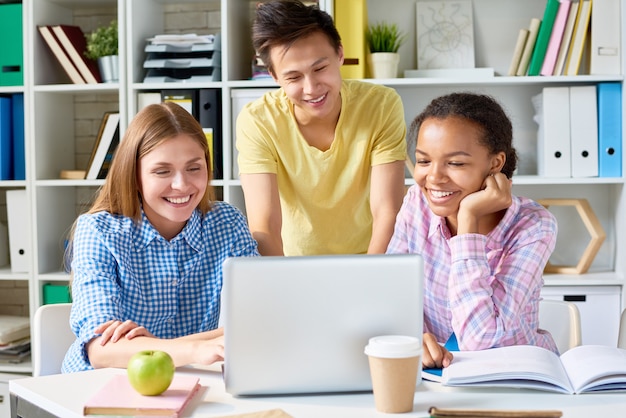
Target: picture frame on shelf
[[445, 34]]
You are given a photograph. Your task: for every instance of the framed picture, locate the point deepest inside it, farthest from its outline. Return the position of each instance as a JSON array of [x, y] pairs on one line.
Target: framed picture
[[445, 34]]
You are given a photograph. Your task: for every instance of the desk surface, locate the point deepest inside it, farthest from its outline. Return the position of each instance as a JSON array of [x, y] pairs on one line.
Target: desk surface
[[64, 395]]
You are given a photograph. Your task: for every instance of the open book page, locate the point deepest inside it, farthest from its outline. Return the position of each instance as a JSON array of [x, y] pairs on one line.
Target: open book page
[[595, 367], [514, 366]]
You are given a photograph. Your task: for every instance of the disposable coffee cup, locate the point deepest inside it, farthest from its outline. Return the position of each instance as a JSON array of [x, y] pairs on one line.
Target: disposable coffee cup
[[394, 362]]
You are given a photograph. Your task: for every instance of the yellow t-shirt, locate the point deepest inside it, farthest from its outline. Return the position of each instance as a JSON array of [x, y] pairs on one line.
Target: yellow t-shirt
[[324, 195]]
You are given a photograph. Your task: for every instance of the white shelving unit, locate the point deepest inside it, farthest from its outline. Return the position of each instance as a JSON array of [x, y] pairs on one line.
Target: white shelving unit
[[53, 106]]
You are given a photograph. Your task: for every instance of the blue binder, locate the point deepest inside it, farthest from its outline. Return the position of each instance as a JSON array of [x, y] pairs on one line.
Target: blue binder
[[5, 138], [19, 158], [609, 129]]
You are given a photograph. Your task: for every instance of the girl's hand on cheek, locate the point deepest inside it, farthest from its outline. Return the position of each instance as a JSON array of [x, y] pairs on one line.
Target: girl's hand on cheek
[[494, 197]]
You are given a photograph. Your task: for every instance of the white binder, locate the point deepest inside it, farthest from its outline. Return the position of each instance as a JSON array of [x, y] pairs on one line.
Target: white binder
[[584, 131], [605, 37], [554, 155], [19, 230]]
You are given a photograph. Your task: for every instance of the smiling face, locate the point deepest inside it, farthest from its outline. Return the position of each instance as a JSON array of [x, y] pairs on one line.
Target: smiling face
[[309, 73], [451, 163], [172, 180]]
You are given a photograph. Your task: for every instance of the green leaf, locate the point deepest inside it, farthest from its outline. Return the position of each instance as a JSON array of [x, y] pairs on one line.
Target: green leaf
[[384, 37], [102, 42]]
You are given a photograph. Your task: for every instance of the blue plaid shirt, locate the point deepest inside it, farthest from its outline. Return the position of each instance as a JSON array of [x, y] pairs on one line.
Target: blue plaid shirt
[[126, 270]]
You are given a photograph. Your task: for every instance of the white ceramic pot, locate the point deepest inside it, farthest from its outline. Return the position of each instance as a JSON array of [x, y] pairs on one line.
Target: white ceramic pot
[[384, 64]]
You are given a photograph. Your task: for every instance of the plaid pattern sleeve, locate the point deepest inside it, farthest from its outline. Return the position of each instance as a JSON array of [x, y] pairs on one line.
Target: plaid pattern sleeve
[[484, 288], [125, 270]]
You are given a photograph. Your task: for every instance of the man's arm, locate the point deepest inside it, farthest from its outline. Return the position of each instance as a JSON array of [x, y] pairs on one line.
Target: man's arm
[[386, 193], [263, 211]]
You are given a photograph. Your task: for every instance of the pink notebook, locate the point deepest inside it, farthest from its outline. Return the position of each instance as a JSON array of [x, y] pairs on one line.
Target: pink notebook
[[552, 51], [118, 397]]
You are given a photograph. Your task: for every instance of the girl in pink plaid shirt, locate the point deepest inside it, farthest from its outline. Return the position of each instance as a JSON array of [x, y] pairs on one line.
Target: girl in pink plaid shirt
[[484, 249]]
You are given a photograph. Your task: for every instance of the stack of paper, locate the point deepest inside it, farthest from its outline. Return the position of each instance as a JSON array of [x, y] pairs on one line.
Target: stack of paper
[[14, 338]]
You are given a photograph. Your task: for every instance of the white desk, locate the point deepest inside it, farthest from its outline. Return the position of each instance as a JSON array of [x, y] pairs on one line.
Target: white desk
[[64, 395]]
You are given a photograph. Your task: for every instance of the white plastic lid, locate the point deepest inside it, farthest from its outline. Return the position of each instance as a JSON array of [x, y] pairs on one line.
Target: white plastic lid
[[394, 346]]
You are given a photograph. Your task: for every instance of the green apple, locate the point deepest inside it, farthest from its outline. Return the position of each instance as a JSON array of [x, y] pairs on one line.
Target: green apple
[[150, 372]]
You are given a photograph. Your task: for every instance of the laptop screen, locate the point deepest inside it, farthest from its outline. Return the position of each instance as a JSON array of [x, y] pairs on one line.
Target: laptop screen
[[296, 325]]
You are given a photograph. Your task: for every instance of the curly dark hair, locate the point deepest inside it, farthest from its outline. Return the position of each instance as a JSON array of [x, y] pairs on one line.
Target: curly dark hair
[[481, 109], [282, 22]]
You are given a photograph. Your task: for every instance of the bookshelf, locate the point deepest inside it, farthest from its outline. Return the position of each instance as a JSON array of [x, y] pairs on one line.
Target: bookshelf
[[62, 121]]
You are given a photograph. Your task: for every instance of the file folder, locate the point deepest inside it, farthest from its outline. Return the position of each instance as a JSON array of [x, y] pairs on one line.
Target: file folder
[[19, 230], [351, 21], [554, 155], [11, 47], [609, 129], [6, 120], [19, 156], [584, 131], [210, 117], [605, 37]]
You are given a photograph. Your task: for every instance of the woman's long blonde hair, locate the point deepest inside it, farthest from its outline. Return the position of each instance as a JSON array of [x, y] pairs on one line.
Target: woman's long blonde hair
[[152, 126]]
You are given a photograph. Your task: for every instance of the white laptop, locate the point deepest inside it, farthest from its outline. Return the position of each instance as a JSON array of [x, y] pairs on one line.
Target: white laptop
[[299, 325]]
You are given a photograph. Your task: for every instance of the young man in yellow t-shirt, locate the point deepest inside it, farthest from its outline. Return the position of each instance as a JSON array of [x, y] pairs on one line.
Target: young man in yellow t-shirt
[[321, 159]]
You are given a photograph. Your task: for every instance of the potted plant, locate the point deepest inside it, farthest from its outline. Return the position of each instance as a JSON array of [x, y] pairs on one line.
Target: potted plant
[[384, 39], [102, 46]]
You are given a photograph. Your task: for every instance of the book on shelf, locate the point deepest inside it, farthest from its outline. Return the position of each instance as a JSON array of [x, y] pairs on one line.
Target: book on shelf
[[15, 352], [108, 157], [568, 31], [543, 37], [74, 42], [522, 36], [533, 30], [13, 328], [64, 60], [117, 397], [72, 174], [552, 51], [579, 38], [582, 369], [105, 145]]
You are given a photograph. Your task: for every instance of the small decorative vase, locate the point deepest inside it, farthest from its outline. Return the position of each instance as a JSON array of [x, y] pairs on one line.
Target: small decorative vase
[[384, 64], [109, 68]]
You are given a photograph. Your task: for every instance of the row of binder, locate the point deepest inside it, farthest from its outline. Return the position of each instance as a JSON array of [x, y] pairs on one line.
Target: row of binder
[[580, 131]]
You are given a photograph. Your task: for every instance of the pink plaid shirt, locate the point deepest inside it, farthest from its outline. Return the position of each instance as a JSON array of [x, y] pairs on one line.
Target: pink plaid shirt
[[484, 288]]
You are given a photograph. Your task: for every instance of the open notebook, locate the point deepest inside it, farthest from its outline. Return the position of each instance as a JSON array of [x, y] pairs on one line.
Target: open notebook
[[300, 324]]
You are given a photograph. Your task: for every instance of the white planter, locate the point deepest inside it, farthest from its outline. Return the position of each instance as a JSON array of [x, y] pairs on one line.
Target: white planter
[[109, 68], [384, 64]]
